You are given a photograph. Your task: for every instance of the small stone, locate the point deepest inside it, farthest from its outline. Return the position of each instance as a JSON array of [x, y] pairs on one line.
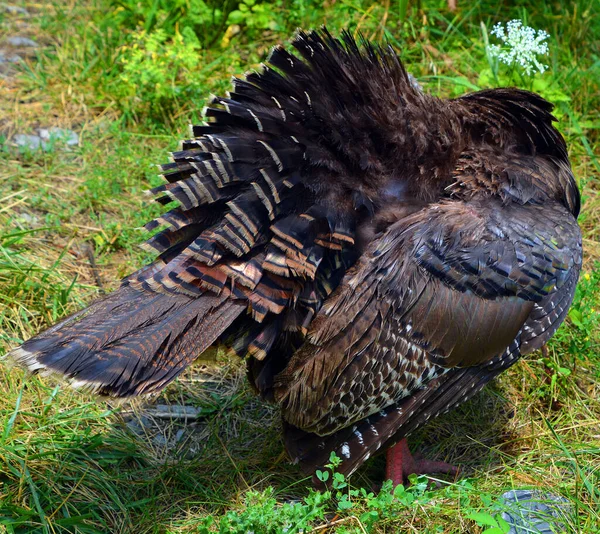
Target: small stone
[[22, 42], [138, 425], [29, 220], [14, 10], [134, 426], [47, 138], [69, 137], [31, 142], [533, 512], [179, 435], [160, 440], [9, 58]]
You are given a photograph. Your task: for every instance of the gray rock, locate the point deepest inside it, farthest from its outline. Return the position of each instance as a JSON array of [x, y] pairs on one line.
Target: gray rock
[[8, 58], [31, 142], [139, 425], [14, 10], [69, 137], [46, 138], [29, 220], [22, 42], [534, 512], [160, 440], [134, 426]]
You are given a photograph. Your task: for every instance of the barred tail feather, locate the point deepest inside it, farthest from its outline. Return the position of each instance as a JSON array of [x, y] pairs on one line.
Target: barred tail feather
[[130, 343]]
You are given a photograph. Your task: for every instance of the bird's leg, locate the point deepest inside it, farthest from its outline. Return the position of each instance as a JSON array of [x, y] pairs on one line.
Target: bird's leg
[[401, 463]]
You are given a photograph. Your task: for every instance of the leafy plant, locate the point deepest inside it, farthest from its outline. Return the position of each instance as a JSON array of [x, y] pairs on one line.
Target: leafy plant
[[206, 19], [521, 45], [516, 61], [160, 74], [211, 21], [256, 16], [495, 523], [517, 53], [262, 513]]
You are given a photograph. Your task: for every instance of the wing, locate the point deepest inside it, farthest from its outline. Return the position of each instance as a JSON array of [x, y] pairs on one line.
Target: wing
[[449, 287], [354, 444]]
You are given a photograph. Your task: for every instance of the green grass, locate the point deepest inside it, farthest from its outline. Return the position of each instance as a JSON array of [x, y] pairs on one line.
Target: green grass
[[68, 463]]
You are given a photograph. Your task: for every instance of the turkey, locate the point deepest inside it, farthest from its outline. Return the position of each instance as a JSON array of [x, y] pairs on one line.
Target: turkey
[[376, 254]]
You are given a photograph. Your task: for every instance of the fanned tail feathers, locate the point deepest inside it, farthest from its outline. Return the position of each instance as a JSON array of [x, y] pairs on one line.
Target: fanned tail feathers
[[263, 221], [131, 342]]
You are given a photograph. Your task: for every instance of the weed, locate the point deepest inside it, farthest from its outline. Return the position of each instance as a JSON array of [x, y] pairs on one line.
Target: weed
[[255, 16], [165, 71], [205, 20]]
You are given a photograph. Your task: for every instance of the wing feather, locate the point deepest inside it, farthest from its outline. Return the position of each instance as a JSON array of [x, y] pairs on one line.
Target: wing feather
[[448, 287]]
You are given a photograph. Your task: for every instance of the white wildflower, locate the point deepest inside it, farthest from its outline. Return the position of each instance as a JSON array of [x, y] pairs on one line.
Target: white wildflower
[[521, 45]]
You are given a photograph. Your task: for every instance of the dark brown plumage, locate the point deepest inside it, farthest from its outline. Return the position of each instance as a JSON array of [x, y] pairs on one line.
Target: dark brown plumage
[[377, 254]]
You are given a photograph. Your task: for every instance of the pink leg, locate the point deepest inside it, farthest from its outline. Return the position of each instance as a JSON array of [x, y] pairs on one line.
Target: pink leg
[[401, 463]]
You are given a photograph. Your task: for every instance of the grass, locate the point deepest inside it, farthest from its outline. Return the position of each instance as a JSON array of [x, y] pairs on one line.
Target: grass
[[69, 463]]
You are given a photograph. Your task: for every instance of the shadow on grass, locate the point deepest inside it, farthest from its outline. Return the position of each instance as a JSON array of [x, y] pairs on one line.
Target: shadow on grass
[[70, 465], [470, 437]]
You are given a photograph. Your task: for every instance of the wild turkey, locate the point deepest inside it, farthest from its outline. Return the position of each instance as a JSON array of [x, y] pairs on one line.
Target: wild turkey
[[375, 253]]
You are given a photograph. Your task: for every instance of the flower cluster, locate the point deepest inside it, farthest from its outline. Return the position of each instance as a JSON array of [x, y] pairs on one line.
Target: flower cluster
[[521, 45]]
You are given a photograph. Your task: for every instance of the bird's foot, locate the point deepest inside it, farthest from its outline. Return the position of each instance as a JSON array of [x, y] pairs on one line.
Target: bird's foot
[[401, 463]]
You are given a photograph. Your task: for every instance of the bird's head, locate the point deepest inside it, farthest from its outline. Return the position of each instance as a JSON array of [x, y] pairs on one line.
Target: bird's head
[[518, 125]]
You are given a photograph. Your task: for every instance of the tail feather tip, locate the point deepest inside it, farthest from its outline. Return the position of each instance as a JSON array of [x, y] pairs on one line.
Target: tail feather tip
[[25, 358], [28, 360]]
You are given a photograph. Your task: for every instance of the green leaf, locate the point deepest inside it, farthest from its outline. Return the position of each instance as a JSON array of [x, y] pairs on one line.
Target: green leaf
[[323, 476], [577, 317], [503, 524], [344, 503], [483, 518], [399, 491], [564, 371]]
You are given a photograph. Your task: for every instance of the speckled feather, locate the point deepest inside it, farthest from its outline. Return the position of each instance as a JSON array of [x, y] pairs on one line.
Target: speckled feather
[[376, 253]]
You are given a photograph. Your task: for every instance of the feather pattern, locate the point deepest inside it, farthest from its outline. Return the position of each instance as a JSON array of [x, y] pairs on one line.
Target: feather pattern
[[376, 253]]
